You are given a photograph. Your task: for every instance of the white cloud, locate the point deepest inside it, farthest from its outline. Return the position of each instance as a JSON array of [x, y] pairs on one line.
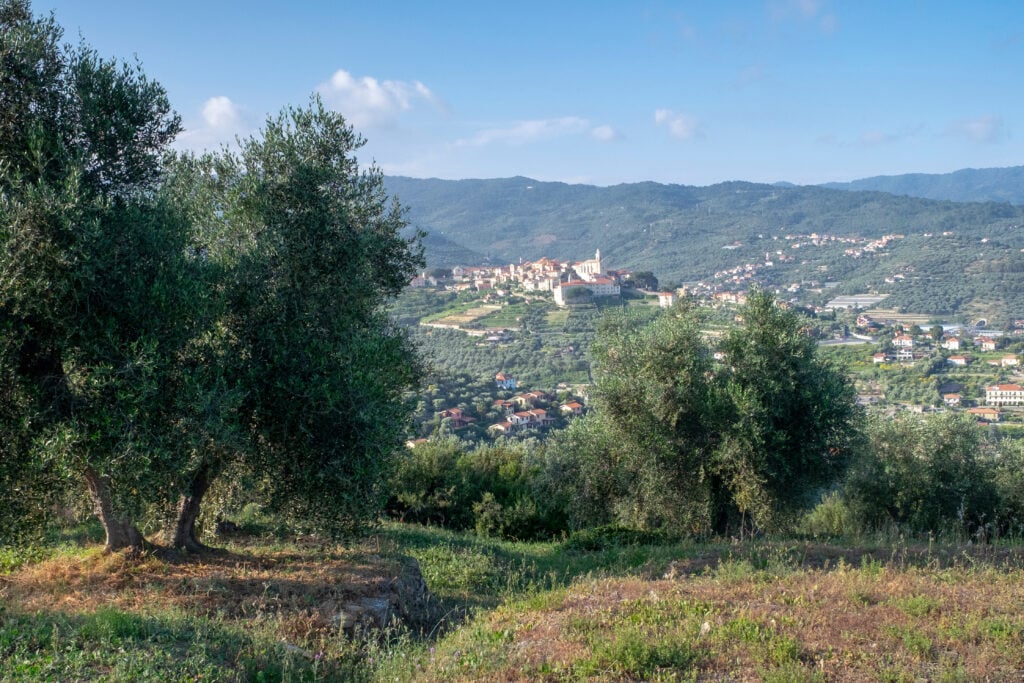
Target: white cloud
[[681, 126], [985, 129], [604, 133], [369, 102], [219, 122], [220, 113], [524, 132]]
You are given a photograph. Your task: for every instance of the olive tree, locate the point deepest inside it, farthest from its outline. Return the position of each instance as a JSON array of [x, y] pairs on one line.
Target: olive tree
[[702, 445], [93, 269], [310, 250], [794, 426]]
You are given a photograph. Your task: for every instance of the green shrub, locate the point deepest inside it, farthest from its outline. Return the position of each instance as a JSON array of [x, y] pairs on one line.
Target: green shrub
[[492, 488], [831, 518]]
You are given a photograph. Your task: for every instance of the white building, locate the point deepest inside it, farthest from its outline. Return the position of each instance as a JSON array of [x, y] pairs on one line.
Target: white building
[[1004, 395], [601, 286], [590, 269]]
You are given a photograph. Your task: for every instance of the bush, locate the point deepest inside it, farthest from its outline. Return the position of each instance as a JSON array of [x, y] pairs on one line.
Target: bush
[[491, 488], [831, 518], [925, 475]]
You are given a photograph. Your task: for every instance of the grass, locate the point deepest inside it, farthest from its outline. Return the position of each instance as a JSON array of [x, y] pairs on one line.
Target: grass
[[607, 608]]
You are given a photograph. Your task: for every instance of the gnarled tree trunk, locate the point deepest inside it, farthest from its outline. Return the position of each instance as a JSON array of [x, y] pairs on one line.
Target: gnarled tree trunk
[[121, 533], [188, 510]]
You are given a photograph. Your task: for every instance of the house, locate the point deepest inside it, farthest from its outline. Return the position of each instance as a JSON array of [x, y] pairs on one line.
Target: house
[[1004, 395], [904, 354], [959, 361], [539, 417], [903, 341], [502, 428], [519, 419], [986, 414], [951, 343], [503, 381], [529, 398], [951, 399], [507, 407], [880, 357], [666, 299], [730, 297], [572, 408], [986, 343], [1009, 361], [458, 418]]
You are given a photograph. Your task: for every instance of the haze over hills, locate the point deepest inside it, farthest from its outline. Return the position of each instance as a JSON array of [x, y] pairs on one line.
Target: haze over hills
[[965, 185]]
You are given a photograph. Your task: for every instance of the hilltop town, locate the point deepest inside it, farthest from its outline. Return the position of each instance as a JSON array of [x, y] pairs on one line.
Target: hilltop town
[[565, 280]]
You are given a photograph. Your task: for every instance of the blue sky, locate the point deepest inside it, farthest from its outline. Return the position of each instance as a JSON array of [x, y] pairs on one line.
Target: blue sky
[[806, 91]]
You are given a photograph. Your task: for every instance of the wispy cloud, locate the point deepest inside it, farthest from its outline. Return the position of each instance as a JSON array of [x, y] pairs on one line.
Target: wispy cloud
[[368, 102], [877, 137], [525, 132], [984, 129], [605, 133], [882, 137], [681, 126], [806, 10]]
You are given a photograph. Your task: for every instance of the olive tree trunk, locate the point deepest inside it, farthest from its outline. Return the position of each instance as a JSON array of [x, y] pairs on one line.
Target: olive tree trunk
[[188, 511], [121, 532]]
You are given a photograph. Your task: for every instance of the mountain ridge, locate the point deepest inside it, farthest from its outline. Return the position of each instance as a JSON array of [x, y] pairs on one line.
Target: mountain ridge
[[964, 185]]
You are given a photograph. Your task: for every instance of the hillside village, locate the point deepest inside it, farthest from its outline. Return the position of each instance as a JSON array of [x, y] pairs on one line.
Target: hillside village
[[969, 368], [566, 280]]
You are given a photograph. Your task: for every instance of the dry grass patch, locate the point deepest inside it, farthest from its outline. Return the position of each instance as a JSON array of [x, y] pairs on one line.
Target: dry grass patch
[[875, 622], [238, 584]]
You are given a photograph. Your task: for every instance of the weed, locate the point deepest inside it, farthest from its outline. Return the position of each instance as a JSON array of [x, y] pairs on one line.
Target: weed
[[635, 654], [917, 605], [792, 673]]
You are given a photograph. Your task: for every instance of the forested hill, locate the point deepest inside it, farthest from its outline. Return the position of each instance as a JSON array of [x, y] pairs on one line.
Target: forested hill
[[966, 185], [679, 232]]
